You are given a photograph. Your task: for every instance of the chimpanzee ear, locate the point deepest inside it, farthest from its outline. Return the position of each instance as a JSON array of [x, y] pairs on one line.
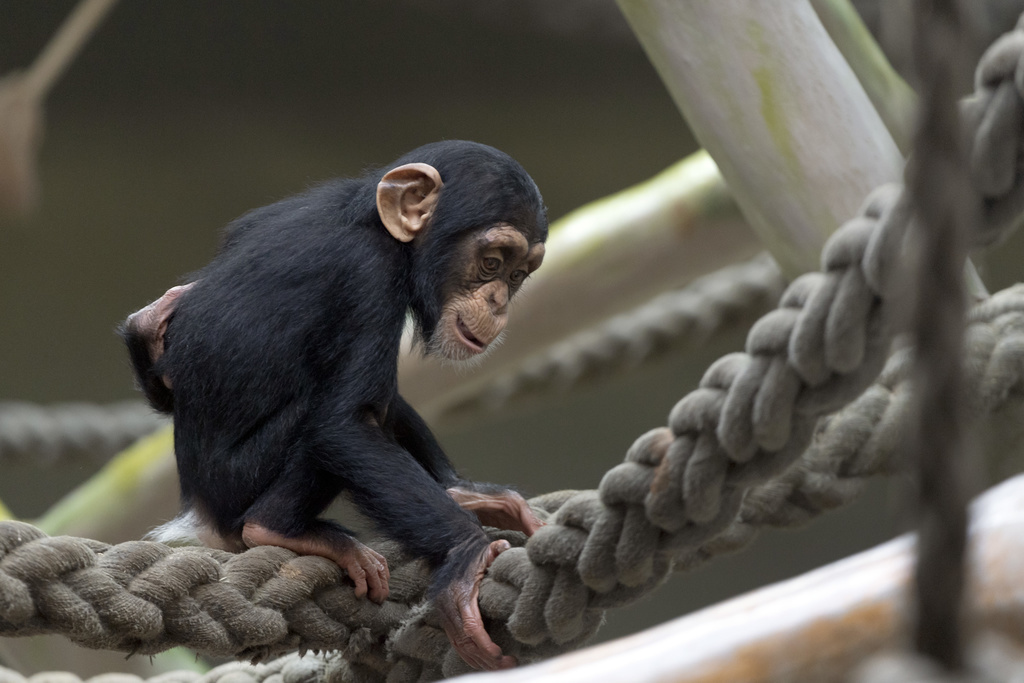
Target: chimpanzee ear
[[406, 197]]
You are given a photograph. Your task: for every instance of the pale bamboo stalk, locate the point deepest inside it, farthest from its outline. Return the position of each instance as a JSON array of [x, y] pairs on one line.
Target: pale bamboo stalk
[[816, 627], [894, 100], [767, 93], [130, 495], [65, 45]]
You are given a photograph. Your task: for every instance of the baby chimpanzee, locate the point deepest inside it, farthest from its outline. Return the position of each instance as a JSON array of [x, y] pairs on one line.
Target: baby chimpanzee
[[278, 361]]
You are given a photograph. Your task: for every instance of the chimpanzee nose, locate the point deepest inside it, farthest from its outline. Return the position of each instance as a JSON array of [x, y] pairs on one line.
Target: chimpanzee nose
[[498, 298]]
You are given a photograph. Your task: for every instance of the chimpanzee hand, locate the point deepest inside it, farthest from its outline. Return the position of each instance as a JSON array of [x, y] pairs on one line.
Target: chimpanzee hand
[[460, 614], [505, 510]]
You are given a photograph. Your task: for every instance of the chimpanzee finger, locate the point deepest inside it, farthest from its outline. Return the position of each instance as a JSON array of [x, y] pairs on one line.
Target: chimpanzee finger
[[385, 569], [484, 651], [470, 639], [377, 577], [358, 576], [473, 621], [528, 520], [462, 620]]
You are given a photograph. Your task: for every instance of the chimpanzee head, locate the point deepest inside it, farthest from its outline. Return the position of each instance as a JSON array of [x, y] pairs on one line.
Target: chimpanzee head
[[477, 224]]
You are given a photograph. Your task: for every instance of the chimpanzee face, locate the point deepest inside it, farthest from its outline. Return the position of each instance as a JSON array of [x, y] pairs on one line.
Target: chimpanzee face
[[492, 266]]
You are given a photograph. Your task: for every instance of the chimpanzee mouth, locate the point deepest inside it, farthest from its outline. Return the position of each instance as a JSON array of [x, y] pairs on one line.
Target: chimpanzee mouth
[[467, 337]]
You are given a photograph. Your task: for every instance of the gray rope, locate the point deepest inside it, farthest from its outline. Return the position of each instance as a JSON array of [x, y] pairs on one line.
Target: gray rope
[[45, 435], [688, 317], [144, 597], [946, 208]]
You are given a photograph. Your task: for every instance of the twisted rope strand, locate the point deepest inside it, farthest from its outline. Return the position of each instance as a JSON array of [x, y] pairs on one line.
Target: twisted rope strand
[[45, 435]]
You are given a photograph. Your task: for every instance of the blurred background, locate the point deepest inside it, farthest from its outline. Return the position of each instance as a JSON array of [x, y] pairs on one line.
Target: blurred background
[[179, 116]]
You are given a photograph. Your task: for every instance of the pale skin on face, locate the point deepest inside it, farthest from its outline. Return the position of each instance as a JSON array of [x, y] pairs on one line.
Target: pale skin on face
[[500, 259]]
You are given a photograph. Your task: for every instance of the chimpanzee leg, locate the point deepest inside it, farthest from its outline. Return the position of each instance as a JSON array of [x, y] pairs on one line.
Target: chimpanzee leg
[[367, 568], [286, 516]]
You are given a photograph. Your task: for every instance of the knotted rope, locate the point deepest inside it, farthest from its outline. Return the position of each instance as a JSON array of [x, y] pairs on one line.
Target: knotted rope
[[679, 489], [144, 597]]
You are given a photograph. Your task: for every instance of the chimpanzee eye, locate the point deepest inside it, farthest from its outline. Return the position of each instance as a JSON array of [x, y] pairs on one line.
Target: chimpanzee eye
[[491, 265], [518, 276]]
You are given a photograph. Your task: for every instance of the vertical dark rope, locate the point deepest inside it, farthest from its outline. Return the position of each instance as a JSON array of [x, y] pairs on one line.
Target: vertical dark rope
[[945, 206]]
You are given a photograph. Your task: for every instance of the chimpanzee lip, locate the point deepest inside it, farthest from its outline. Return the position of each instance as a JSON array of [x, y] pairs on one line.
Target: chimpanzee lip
[[467, 337]]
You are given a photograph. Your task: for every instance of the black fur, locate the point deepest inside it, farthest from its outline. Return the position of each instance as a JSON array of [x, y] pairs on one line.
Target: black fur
[[151, 384], [283, 355]]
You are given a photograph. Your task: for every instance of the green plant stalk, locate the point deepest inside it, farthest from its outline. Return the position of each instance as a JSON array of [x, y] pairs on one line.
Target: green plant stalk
[[57, 653], [124, 498], [5, 512]]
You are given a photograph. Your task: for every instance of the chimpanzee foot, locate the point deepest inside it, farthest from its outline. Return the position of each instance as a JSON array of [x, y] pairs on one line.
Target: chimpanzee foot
[[459, 609], [506, 510], [366, 567]]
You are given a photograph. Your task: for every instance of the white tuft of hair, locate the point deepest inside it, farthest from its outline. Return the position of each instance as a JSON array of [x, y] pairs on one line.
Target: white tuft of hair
[[192, 528], [185, 529]]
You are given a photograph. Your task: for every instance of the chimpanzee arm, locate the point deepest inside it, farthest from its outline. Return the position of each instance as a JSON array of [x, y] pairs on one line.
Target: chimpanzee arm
[[494, 505], [390, 487], [413, 434]]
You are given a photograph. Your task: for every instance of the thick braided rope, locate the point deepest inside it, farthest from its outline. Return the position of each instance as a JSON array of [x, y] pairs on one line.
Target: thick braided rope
[[44, 435], [691, 315], [144, 597], [753, 415], [678, 489], [865, 439]]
